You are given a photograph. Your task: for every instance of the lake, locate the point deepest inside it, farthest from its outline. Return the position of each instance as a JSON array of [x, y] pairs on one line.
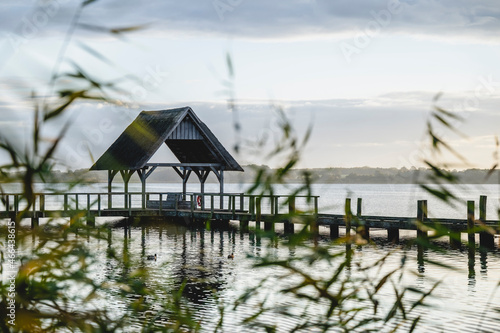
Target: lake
[[467, 300]]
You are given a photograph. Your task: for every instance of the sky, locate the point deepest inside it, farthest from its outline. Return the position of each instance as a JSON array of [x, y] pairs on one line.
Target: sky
[[362, 74]]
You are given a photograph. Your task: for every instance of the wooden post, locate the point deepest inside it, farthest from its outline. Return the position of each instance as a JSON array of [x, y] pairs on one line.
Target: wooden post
[[251, 208], [185, 177], [99, 204], [291, 205], [288, 225], [161, 203], [142, 176], [212, 204], [334, 231], [269, 226], [129, 204], [421, 217], [362, 229], [202, 190], [258, 213], [65, 202], [16, 206], [276, 205], [42, 205], [76, 201], [314, 228], [347, 217], [421, 234], [192, 205], [471, 238], [393, 235], [176, 204], [91, 220], [88, 204], [7, 204], [470, 225], [221, 184], [34, 220], [242, 202], [455, 238], [244, 224], [486, 240], [110, 196], [233, 199]]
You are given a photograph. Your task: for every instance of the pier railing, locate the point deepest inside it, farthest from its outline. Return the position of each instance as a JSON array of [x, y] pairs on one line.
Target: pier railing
[[194, 201], [269, 209]]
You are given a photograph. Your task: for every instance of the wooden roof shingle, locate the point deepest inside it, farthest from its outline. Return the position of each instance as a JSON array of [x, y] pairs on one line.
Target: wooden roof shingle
[[180, 129]]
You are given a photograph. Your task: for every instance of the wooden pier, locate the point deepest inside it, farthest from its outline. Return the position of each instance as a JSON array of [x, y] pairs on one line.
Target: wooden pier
[[245, 208]]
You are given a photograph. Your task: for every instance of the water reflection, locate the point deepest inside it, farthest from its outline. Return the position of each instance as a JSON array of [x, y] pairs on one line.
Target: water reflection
[[198, 257], [421, 253], [484, 263], [471, 256]]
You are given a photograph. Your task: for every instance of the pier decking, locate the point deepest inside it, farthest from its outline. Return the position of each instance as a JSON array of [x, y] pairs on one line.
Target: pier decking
[[243, 208]]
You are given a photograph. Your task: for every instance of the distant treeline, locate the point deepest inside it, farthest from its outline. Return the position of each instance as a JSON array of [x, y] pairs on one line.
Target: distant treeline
[[361, 175]]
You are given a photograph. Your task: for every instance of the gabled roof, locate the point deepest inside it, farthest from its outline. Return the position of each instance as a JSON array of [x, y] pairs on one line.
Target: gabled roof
[[180, 129]]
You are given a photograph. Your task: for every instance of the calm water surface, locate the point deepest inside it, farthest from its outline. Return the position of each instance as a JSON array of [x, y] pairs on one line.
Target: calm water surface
[[466, 301]]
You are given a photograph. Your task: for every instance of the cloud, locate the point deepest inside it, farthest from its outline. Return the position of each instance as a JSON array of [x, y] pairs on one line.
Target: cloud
[[263, 19]]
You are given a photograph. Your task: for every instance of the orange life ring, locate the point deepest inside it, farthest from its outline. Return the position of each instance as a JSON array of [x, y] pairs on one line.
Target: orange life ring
[[198, 200]]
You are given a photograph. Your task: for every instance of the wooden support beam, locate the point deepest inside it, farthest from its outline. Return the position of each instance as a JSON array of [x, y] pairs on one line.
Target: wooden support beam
[[334, 231], [251, 206], [471, 236], [421, 218], [269, 226], [359, 207], [221, 184], [42, 205], [244, 225], [233, 206], [291, 206], [271, 201], [258, 213], [126, 175], [111, 175], [288, 225], [393, 235], [91, 220], [455, 238], [202, 177], [347, 217], [143, 175], [362, 229], [486, 239], [35, 222], [178, 172], [185, 178], [185, 165]]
